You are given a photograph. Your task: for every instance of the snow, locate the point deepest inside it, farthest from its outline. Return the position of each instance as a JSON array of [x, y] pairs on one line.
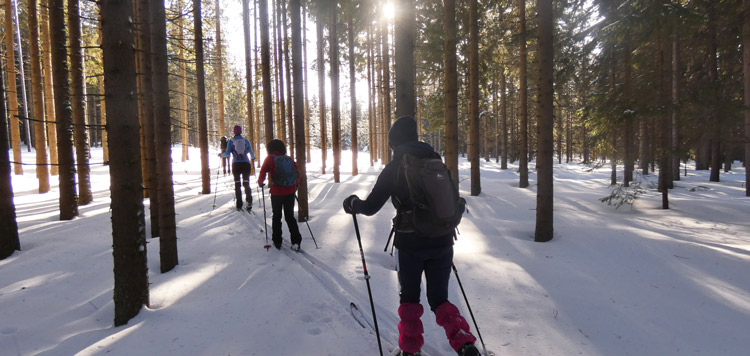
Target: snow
[[637, 280]]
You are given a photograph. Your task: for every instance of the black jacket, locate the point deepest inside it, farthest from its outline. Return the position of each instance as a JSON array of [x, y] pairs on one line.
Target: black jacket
[[391, 184]]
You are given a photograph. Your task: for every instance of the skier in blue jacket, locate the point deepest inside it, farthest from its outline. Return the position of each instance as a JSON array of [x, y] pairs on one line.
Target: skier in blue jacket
[[242, 165]]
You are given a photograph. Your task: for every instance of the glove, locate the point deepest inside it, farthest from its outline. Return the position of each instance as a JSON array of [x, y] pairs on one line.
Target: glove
[[349, 204]]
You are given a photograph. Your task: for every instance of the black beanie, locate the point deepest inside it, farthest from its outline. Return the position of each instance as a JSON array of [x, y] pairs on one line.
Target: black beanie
[[276, 145], [403, 130]]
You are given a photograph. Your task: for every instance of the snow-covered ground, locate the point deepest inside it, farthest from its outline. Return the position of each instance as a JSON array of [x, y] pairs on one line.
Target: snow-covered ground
[[637, 280]]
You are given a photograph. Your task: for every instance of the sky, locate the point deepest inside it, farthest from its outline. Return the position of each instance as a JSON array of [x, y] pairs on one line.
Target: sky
[[637, 280]]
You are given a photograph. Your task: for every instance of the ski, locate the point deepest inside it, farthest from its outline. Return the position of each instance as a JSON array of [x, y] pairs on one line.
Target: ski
[[360, 317]]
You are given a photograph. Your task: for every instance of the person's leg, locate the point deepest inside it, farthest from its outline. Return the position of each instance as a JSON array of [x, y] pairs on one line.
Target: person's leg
[[237, 185], [276, 208], [291, 222], [409, 266], [437, 272], [246, 183]]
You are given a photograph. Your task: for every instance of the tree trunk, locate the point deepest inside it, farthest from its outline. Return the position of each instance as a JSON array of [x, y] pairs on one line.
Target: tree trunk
[[476, 183], [266, 71], [676, 74], [220, 74], [304, 88], [404, 29], [201, 81], [49, 96], [78, 101], [713, 74], [545, 124], [146, 103], [372, 145], [163, 134], [63, 112], [299, 108], [451, 88], [248, 72], [184, 124], [523, 164], [288, 72], [128, 222], [9, 241], [335, 108], [504, 129], [746, 84], [386, 85], [42, 171], [12, 93], [353, 94], [322, 92]]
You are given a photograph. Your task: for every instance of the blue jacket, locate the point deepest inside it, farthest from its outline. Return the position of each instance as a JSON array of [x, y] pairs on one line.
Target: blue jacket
[[390, 184], [239, 157]]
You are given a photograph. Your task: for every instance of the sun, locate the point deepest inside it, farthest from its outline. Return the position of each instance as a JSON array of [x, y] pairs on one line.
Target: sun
[[389, 10]]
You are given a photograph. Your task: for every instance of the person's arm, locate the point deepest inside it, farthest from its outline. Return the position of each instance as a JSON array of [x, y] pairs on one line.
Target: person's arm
[[263, 169], [228, 152], [379, 195], [250, 148]]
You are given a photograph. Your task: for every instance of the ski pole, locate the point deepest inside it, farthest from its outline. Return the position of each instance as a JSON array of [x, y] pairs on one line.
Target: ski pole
[[469, 307], [216, 186], [367, 279], [393, 229], [265, 223], [308, 225]]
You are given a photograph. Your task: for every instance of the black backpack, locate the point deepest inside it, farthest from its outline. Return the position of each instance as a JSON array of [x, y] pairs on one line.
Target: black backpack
[[285, 173], [437, 207]]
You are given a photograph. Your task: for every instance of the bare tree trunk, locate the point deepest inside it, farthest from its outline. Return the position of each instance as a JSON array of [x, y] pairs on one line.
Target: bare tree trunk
[[78, 101], [523, 164], [545, 125], [146, 103], [128, 222], [12, 93], [476, 182], [335, 108], [248, 71], [676, 74], [162, 131], [63, 112], [504, 129], [372, 146], [288, 72], [266, 70], [404, 28], [451, 88], [713, 74], [42, 171], [49, 96], [184, 124], [9, 241], [220, 73], [299, 108], [353, 94], [386, 85], [746, 85], [306, 78], [322, 93], [201, 79]]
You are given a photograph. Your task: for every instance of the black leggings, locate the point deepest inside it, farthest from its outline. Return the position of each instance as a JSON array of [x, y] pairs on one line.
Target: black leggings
[[242, 170], [435, 263], [285, 204]]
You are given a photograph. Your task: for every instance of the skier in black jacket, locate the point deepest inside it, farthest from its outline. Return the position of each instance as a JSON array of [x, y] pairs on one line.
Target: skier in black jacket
[[416, 254]]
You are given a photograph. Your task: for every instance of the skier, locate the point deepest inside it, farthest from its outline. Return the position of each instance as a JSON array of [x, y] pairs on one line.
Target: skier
[[239, 148], [416, 254], [224, 160], [284, 178]]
